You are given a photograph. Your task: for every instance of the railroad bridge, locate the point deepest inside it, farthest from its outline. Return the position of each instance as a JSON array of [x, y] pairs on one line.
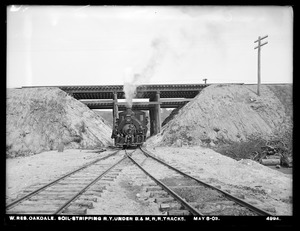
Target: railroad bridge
[[155, 97]]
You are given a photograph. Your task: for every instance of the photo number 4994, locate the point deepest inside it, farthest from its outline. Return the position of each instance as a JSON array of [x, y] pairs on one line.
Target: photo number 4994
[[272, 219]]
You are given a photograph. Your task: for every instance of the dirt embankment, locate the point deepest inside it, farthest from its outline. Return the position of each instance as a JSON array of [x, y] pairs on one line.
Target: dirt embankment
[[224, 114], [43, 119]]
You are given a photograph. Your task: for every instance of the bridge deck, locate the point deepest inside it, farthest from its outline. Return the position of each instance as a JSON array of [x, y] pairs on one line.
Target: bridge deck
[[142, 91]]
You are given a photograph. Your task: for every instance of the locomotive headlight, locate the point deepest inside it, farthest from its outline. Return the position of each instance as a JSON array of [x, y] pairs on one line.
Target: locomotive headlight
[[129, 129], [128, 119]]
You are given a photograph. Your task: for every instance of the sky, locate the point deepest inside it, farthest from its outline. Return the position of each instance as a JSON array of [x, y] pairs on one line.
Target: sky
[[104, 45]]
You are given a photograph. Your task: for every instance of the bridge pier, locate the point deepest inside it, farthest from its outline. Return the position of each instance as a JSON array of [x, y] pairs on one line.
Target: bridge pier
[[155, 115], [115, 109], [158, 113], [152, 121]]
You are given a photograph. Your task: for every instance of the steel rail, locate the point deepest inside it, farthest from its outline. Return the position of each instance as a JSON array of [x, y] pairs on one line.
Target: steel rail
[[189, 207], [57, 180], [60, 209], [243, 203]]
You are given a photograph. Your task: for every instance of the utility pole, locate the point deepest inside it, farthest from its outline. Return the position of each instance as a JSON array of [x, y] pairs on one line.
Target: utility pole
[[258, 61], [204, 81]]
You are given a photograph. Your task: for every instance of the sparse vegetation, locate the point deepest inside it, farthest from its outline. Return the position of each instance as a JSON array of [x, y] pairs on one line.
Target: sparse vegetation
[[255, 148], [243, 149]]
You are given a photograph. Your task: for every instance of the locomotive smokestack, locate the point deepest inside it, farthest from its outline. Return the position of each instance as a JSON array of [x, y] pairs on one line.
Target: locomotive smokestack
[[128, 109]]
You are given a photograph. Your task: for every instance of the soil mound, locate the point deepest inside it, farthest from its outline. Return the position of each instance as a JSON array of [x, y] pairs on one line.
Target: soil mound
[[43, 119], [223, 114]]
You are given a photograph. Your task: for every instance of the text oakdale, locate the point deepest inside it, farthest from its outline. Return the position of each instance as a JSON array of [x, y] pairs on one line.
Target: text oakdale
[[32, 218]]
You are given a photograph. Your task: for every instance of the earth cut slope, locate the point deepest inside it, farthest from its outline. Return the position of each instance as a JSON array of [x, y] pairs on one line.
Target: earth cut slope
[[222, 114], [43, 119]]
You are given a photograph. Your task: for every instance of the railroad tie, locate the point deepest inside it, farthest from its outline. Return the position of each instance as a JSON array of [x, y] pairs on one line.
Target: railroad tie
[[46, 203], [32, 209], [83, 203], [28, 212], [110, 176], [179, 213], [164, 207], [59, 190], [160, 193], [73, 182], [88, 198], [149, 184], [98, 188], [77, 211], [102, 184], [114, 174], [56, 194], [56, 198], [107, 179], [154, 188], [31, 189], [141, 177], [116, 170], [92, 193], [175, 206], [164, 200]]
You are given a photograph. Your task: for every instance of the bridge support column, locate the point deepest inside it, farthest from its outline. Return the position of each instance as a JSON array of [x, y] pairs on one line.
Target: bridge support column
[[157, 112], [115, 109], [155, 116], [152, 121]]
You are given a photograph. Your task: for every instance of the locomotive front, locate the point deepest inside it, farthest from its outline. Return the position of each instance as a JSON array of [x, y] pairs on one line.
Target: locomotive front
[[130, 128]]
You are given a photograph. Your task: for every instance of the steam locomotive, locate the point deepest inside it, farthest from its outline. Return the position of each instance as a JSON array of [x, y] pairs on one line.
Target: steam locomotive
[[130, 128]]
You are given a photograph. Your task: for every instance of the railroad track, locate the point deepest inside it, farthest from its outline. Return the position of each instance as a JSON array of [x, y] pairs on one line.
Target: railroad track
[[179, 193], [176, 192], [72, 193]]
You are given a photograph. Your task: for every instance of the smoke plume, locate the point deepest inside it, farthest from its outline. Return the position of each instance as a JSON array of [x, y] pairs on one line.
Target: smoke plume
[[159, 48]]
